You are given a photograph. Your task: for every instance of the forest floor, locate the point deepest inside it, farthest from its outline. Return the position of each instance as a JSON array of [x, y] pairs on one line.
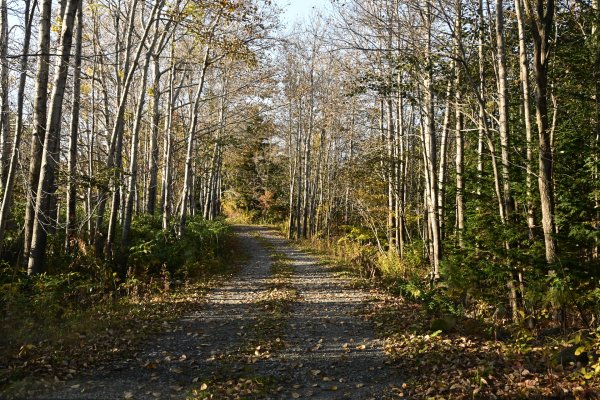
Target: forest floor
[[290, 325], [284, 327]]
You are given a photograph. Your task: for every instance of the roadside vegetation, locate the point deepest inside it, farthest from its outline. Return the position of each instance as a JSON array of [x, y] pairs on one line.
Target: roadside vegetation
[[448, 349], [87, 310]]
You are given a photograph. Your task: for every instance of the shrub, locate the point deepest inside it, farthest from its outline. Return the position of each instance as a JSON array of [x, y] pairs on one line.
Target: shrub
[[155, 250]]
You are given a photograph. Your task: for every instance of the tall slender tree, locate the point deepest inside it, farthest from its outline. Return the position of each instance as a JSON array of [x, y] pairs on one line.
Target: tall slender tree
[[541, 16], [50, 154], [71, 225], [7, 197], [39, 122]]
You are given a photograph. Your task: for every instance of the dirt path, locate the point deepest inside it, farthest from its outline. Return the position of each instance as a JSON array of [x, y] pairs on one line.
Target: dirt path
[[327, 351], [331, 351]]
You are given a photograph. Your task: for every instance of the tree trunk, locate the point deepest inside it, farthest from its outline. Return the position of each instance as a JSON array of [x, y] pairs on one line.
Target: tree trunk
[[188, 176], [292, 176], [524, 76], [51, 144], [71, 185], [481, 120], [165, 193], [443, 164], [133, 157], [401, 169], [459, 138], [14, 158], [39, 122], [210, 204], [596, 144], [153, 149], [307, 154], [503, 119], [429, 148], [299, 141], [390, 174], [5, 150], [541, 26]]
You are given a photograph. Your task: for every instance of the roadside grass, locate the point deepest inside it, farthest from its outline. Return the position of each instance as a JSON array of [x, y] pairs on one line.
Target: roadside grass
[[337, 264]]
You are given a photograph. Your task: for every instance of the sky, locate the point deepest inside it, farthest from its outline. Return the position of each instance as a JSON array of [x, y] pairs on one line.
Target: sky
[[298, 9]]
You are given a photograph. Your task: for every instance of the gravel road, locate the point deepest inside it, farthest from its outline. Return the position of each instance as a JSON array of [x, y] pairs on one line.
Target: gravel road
[[329, 350]]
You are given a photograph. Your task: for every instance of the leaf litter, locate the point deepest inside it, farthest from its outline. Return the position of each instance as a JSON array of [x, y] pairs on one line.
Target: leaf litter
[[463, 364]]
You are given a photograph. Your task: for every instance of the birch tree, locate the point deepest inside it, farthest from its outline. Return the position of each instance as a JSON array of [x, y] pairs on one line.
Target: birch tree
[[39, 121], [51, 148], [541, 15], [71, 224], [7, 197], [116, 141], [5, 149]]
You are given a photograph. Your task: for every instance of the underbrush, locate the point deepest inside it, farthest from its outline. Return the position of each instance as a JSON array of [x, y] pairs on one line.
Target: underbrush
[[475, 282], [87, 308]]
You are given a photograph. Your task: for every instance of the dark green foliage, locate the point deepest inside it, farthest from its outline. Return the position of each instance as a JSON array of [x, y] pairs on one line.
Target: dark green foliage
[[81, 282], [40, 307], [254, 175], [153, 249], [444, 324], [13, 239], [435, 300], [570, 355]]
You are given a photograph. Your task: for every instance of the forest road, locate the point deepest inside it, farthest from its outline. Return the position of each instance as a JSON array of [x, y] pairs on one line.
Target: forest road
[[325, 348]]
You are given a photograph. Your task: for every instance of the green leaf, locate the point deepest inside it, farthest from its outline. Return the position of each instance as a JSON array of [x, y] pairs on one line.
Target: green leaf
[[434, 334], [579, 350]]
